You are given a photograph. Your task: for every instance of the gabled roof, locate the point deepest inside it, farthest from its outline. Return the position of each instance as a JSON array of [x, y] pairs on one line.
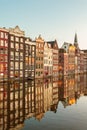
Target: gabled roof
[[39, 39], [54, 44], [17, 31], [62, 50], [65, 46], [51, 42]]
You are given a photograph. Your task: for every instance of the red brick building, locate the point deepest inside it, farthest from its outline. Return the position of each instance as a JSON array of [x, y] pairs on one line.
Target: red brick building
[[54, 46], [17, 54], [4, 54], [63, 62]]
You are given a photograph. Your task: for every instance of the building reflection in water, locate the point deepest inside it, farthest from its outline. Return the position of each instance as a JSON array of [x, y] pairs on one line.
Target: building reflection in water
[[20, 100]]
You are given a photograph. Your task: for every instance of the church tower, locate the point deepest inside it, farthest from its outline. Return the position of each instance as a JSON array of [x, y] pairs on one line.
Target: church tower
[[76, 41]]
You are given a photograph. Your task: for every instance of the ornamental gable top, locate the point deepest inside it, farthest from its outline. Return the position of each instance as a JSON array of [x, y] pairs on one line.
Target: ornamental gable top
[[16, 31]]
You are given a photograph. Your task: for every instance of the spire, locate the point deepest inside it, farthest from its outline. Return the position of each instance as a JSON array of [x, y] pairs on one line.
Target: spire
[[75, 39]]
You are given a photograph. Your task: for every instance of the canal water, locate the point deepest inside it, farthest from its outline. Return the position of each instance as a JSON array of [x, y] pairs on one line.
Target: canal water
[[44, 104]]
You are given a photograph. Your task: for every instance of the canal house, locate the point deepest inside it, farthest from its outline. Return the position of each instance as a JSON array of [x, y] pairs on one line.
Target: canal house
[[4, 44]]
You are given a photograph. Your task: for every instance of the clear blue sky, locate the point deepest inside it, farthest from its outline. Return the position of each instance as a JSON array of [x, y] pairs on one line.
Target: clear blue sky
[[53, 19]]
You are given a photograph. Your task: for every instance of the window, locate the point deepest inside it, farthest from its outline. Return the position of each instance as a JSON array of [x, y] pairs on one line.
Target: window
[[39, 45], [2, 35], [12, 38], [6, 35], [21, 73], [26, 74], [6, 58], [11, 74], [16, 65], [21, 65], [1, 67], [21, 56], [11, 65], [1, 75], [12, 55], [21, 39], [16, 74], [6, 51], [26, 47], [16, 53], [1, 51], [17, 39], [6, 44], [38, 73], [21, 46], [41, 66], [26, 53], [12, 45], [6, 67], [33, 48], [2, 43], [17, 46]]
